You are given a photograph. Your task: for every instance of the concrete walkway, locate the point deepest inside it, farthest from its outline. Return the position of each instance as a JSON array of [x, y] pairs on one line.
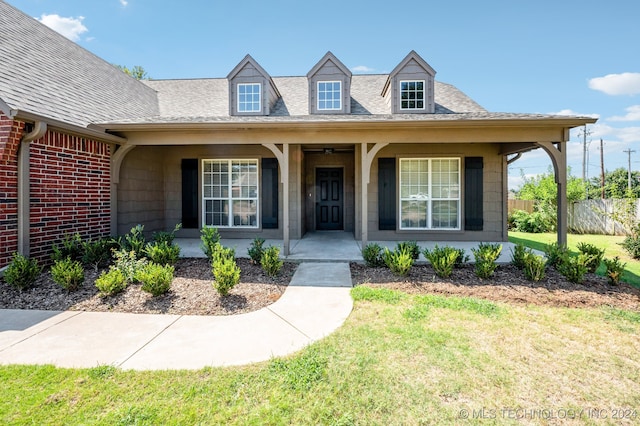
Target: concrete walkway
[[316, 303]]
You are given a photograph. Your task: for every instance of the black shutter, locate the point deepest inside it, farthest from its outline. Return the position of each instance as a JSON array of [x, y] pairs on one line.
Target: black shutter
[[189, 193], [269, 193], [386, 194], [473, 219]]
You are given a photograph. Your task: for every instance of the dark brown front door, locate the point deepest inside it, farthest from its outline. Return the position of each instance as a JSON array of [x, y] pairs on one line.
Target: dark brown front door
[[329, 199]]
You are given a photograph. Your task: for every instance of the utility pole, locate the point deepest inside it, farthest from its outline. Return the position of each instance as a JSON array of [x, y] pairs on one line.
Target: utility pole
[[629, 151], [584, 154], [602, 195]]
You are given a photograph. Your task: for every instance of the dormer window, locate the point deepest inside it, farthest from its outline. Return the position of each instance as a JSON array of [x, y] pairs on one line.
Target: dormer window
[[329, 95], [249, 97], [412, 94]]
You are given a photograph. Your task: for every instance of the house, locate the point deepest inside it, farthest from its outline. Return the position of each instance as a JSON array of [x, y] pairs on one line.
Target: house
[[84, 147]]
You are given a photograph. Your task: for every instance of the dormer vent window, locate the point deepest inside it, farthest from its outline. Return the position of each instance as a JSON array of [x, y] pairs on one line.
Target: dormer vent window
[[329, 95], [412, 95], [249, 97]]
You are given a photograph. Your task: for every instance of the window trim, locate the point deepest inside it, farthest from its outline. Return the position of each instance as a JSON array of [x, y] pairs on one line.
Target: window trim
[[238, 103], [318, 95], [230, 199], [429, 198], [424, 95]]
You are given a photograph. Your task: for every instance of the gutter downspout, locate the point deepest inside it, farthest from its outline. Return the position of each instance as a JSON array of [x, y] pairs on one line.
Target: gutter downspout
[[24, 186]]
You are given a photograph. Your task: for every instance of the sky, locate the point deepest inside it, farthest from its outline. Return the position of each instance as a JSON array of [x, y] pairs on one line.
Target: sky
[[575, 57]]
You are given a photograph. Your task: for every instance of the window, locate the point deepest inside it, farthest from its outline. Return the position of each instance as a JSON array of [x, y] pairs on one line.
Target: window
[[412, 94], [230, 193], [430, 193], [329, 95], [249, 97]]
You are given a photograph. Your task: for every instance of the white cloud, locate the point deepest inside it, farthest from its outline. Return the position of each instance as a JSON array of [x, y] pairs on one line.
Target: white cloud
[[627, 83], [633, 114], [362, 68], [124, 3], [70, 27]]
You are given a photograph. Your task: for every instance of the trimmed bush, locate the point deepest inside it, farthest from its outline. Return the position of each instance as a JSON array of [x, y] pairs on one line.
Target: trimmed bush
[[68, 274], [270, 261], [463, 257], [574, 267], [166, 237], [614, 270], [111, 282], [255, 250], [631, 243], [226, 274], [98, 253], [399, 260], [220, 252], [555, 253], [156, 279], [372, 255], [486, 255], [210, 241], [71, 247], [162, 252], [22, 272], [595, 255], [534, 266], [519, 254], [128, 263], [442, 259], [411, 246]]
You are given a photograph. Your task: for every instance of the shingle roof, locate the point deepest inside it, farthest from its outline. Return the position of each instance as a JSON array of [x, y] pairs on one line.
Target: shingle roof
[[44, 73]]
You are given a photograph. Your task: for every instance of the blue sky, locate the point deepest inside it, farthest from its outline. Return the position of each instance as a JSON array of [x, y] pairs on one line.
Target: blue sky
[[545, 56]]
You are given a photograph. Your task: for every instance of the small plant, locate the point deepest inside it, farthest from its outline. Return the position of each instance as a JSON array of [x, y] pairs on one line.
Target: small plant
[[67, 273], [555, 253], [156, 279], [534, 266], [221, 252], [399, 260], [167, 237], [463, 257], [614, 269], [442, 259], [411, 246], [518, 255], [135, 241], [486, 255], [226, 274], [270, 261], [97, 253], [210, 240], [22, 272], [162, 252], [111, 282], [128, 263], [595, 255], [372, 255], [574, 267], [256, 249], [631, 243], [71, 247]]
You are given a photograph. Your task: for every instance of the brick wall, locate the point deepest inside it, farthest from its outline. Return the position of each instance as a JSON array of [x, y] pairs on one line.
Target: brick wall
[[10, 134]]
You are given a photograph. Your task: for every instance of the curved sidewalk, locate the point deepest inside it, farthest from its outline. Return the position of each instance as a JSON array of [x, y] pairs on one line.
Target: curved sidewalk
[[316, 303]]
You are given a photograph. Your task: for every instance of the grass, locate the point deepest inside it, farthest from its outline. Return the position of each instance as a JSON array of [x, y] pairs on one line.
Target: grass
[[610, 243], [399, 359]]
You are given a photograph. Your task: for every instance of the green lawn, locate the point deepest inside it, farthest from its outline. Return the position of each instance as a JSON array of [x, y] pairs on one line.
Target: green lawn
[[611, 244], [398, 359]]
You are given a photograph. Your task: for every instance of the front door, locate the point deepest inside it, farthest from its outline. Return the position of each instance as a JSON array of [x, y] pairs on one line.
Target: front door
[[329, 199]]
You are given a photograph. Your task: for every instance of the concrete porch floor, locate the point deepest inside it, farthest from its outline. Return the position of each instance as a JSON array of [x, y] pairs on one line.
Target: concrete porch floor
[[330, 246]]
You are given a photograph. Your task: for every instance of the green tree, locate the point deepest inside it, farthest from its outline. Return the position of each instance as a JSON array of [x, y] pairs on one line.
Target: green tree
[[616, 184], [136, 72]]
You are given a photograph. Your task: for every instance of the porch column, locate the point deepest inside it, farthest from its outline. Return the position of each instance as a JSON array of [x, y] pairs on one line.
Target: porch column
[[116, 161], [367, 157], [558, 154], [283, 161]]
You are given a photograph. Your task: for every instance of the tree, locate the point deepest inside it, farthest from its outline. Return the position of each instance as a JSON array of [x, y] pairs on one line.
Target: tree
[[616, 184], [136, 72]]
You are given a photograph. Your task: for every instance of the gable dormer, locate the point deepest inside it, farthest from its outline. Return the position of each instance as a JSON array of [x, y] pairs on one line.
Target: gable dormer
[[329, 87], [409, 88], [251, 89]]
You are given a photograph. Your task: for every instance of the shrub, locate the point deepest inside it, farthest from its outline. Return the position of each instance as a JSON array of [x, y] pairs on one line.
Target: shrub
[[399, 260], [111, 282], [534, 266], [486, 255], [536, 222], [442, 259], [256, 249], [226, 274], [155, 278], [98, 253], [71, 247], [167, 237], [210, 240], [614, 270], [162, 252], [220, 252], [412, 246], [463, 257], [67, 273], [270, 261], [22, 272], [574, 267], [555, 253], [519, 254], [372, 255], [128, 263], [134, 241], [595, 255], [631, 243]]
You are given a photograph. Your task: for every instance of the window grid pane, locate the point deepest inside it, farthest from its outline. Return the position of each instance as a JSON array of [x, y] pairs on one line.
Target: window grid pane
[[329, 95], [412, 95], [249, 97]]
